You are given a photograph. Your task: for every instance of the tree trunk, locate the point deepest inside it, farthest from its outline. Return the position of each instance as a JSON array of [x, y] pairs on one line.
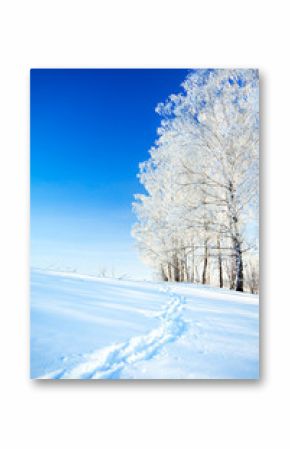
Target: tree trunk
[[232, 274], [205, 263], [239, 281], [163, 274], [192, 277], [169, 271], [239, 268], [220, 262], [181, 271], [197, 277], [175, 269], [186, 275]]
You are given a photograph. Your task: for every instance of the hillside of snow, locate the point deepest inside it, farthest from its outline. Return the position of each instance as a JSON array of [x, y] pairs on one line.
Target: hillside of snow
[[95, 328]]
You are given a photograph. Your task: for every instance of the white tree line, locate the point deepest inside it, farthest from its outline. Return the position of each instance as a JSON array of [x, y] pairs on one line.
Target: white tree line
[[200, 206]]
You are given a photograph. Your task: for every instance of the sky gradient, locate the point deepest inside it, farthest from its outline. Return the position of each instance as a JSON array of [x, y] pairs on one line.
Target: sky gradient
[[90, 128]]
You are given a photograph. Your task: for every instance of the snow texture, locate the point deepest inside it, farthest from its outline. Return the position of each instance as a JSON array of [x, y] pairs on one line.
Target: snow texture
[[95, 328]]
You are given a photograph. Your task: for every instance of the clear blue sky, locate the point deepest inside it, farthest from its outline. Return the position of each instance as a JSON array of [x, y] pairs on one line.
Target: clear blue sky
[[89, 131]]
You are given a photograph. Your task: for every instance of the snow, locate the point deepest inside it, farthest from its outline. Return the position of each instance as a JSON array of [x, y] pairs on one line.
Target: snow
[[84, 327]]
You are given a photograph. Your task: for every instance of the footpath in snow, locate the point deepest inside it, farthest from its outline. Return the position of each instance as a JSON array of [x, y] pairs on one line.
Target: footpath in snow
[[94, 328]]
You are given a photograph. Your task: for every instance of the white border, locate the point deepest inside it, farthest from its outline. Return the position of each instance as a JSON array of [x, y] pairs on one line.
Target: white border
[[143, 34]]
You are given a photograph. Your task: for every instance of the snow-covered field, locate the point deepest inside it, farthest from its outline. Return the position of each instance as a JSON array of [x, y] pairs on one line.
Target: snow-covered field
[[95, 328]]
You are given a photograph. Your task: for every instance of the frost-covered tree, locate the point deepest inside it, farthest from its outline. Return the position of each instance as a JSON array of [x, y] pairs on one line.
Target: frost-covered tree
[[202, 178]]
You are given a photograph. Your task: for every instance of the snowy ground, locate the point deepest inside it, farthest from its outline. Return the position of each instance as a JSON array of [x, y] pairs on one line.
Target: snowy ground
[[88, 328]]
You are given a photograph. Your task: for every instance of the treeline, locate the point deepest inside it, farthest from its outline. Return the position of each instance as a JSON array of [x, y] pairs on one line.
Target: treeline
[[198, 217]]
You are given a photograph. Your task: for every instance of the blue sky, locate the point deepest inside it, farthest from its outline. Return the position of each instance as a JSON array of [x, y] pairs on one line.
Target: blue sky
[[89, 131]]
